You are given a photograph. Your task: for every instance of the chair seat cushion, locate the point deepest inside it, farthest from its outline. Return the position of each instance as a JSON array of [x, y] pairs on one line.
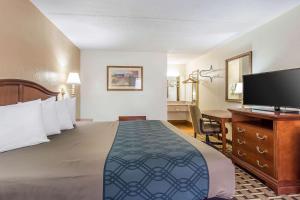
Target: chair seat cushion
[[212, 128]]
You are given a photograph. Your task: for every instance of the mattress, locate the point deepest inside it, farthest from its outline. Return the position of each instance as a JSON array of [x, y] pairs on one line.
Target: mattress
[[71, 166]]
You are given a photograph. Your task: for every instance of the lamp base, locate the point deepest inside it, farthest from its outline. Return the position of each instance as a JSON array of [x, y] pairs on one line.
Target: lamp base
[[73, 90]]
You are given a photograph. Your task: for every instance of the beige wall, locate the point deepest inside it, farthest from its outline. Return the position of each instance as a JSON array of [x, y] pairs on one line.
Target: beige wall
[[32, 48], [102, 105], [275, 45]]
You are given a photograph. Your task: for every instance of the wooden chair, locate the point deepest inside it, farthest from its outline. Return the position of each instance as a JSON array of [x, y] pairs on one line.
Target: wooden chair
[[131, 118], [204, 126]]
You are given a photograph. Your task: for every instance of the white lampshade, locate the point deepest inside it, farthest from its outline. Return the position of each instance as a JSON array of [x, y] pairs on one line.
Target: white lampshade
[[73, 78], [238, 88]]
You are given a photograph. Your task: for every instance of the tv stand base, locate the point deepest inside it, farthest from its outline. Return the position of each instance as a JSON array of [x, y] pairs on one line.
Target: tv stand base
[[277, 110]]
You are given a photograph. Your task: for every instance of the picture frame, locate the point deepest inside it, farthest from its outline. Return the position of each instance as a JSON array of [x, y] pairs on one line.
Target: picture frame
[[236, 67], [125, 78]]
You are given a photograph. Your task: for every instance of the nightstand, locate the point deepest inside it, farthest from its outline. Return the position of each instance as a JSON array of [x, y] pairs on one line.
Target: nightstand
[[80, 122]]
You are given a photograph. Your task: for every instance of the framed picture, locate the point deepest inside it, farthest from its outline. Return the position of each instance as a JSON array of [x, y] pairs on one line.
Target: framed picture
[[124, 78]]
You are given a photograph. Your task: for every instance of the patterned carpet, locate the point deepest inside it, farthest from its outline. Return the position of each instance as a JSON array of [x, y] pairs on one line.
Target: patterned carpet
[[247, 186]]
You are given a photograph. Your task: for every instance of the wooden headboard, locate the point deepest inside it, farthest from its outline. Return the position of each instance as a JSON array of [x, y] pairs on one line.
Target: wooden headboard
[[13, 91]]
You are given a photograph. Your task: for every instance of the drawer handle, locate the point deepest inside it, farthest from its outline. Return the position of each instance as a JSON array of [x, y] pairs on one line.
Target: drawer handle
[[241, 142], [241, 154], [261, 137], [240, 130], [260, 165], [261, 151]]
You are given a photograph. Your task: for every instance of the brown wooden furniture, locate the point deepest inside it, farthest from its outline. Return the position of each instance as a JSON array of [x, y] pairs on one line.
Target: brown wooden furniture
[[205, 126], [268, 145], [131, 118], [221, 116], [13, 91]]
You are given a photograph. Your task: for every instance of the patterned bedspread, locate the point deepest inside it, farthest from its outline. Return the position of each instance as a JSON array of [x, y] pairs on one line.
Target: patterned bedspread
[[148, 162]]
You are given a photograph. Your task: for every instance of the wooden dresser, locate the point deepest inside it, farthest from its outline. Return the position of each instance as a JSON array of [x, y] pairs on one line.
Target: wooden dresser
[[268, 145]]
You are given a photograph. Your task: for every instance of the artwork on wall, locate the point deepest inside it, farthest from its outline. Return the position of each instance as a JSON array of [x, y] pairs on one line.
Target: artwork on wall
[[236, 67], [124, 78]]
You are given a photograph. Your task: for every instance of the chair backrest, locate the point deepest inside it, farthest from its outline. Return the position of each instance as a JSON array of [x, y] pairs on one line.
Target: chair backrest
[[196, 116]]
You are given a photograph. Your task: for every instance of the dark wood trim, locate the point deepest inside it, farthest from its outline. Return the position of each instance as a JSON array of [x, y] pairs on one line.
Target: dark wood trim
[[249, 53], [266, 114], [22, 83], [132, 118], [16, 90], [107, 79]]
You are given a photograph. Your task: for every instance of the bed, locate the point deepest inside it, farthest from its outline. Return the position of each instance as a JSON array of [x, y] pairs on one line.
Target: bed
[[90, 161]]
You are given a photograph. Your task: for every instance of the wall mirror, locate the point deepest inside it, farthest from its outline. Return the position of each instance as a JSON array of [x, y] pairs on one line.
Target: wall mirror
[[236, 67], [173, 91]]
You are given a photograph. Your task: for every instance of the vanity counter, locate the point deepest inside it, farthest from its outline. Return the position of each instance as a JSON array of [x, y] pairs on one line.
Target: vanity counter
[[179, 110]]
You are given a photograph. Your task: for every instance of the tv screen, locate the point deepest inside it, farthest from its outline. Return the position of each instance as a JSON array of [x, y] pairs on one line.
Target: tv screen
[[278, 88]]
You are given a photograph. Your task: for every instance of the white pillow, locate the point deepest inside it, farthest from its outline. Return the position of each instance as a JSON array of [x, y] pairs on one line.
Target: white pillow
[[21, 125], [64, 118], [71, 105], [50, 117]]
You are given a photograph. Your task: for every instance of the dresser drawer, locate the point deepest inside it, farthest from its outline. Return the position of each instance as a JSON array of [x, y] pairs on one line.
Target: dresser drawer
[[258, 161], [259, 132], [267, 152], [241, 153], [254, 145], [261, 162], [257, 138]]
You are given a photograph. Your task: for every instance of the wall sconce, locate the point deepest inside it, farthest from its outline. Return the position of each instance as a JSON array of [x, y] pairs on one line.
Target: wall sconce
[[73, 78]]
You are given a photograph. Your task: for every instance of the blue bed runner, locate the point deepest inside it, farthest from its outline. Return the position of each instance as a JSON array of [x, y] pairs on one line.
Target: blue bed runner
[[149, 162]]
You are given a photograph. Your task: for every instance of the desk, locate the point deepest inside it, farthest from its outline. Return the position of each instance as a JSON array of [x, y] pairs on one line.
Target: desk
[[221, 116]]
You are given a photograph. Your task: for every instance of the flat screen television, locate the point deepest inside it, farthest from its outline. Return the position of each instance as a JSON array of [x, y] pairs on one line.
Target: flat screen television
[[277, 88]]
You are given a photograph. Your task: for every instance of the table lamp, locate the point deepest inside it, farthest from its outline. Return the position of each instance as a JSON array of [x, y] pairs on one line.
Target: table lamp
[[238, 88], [73, 78]]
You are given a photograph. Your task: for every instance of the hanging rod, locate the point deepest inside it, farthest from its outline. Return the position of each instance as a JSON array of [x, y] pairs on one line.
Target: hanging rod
[[194, 76], [205, 71]]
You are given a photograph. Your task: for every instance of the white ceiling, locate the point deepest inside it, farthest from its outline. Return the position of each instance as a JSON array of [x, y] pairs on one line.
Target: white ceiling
[[172, 26]]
